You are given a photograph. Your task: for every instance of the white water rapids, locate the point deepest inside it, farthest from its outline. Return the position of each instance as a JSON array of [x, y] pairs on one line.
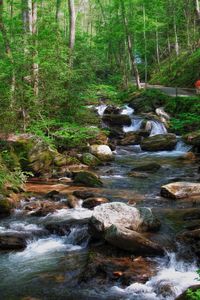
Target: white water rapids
[[172, 279]]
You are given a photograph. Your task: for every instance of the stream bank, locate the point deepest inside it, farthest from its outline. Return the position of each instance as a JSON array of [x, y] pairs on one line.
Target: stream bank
[[59, 259]]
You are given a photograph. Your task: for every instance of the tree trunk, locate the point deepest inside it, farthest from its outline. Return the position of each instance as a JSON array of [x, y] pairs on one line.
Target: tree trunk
[[145, 47], [198, 9], [130, 47], [35, 64], [72, 30], [8, 51], [58, 5], [157, 45], [72, 24]]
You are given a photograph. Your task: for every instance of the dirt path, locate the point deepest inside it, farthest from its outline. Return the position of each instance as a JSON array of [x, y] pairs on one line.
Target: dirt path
[[172, 91]]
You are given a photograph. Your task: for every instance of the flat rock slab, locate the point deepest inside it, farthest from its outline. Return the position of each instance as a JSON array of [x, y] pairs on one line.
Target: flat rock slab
[[180, 190]]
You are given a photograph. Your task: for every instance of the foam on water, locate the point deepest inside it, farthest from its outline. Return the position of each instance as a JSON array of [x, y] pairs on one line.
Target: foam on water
[[157, 128], [136, 125], [127, 110], [101, 108], [70, 214]]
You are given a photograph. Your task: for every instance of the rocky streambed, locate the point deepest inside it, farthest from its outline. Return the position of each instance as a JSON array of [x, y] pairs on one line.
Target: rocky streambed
[[129, 231]]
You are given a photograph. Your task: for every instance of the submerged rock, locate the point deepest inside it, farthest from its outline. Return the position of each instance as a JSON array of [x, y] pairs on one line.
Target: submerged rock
[[5, 206], [103, 152], [132, 241], [88, 179], [179, 190], [160, 142], [191, 239], [150, 167]]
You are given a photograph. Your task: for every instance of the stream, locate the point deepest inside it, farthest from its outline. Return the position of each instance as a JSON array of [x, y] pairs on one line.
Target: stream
[[55, 266]]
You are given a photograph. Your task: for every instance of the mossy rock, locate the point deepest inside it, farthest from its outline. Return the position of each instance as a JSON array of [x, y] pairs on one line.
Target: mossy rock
[[88, 179], [193, 138], [159, 142], [90, 160]]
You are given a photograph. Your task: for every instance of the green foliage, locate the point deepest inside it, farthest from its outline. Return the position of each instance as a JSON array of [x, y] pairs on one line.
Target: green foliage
[[185, 112], [96, 92], [73, 135], [194, 295], [180, 71]]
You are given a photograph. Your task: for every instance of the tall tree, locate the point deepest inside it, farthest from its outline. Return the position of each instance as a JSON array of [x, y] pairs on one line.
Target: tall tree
[[130, 46]]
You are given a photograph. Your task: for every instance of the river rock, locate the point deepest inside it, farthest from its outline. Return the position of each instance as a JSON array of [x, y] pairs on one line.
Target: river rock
[[103, 152], [150, 167], [111, 109], [117, 120], [88, 179], [132, 241], [83, 194], [90, 160], [159, 142], [43, 208], [130, 138], [72, 201], [12, 241], [179, 190], [123, 216], [95, 201]]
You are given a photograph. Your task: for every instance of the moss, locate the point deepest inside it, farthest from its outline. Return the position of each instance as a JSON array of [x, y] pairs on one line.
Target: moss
[[5, 207], [88, 179], [90, 160]]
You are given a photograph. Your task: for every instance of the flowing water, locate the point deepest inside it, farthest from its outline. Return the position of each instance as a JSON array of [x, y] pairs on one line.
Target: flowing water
[[52, 266]]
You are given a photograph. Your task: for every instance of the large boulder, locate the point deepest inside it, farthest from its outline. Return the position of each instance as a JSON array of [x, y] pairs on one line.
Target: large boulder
[[88, 179], [103, 152], [117, 120], [191, 240], [123, 216], [12, 241], [132, 241], [160, 142], [179, 190]]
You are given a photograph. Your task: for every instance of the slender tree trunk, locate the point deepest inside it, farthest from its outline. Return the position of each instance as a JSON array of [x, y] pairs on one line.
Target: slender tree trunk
[[72, 24], [157, 45], [35, 64], [8, 52], [130, 47], [198, 9], [58, 5], [72, 30], [145, 47], [175, 33]]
